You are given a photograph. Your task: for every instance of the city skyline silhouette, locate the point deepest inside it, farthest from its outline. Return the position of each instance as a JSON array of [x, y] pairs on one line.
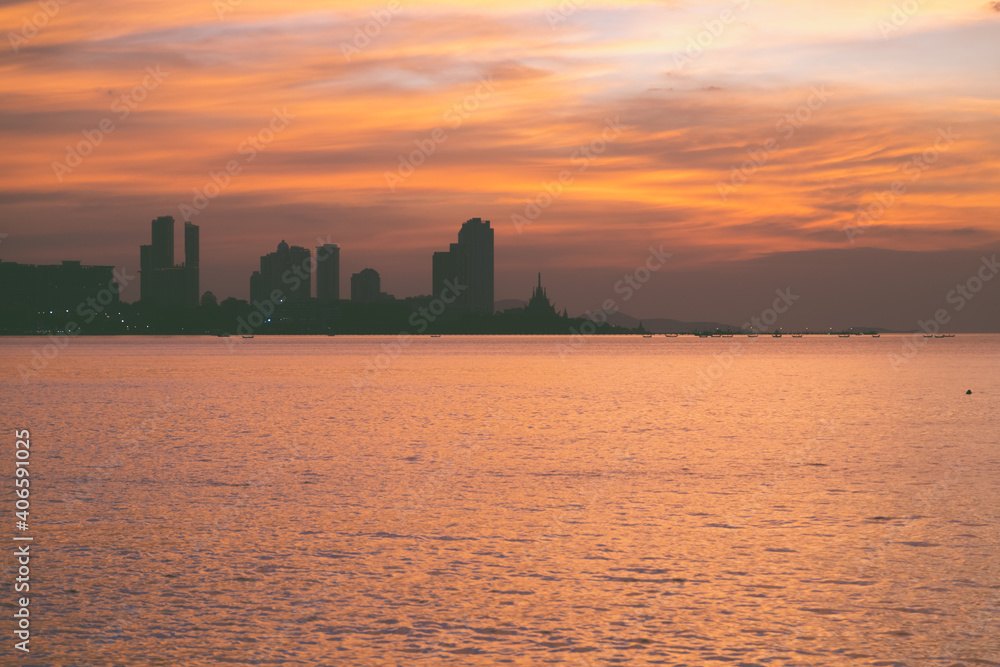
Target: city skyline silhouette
[[175, 284]]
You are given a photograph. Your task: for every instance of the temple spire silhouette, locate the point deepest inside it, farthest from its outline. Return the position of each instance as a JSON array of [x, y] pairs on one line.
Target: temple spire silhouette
[[539, 304]]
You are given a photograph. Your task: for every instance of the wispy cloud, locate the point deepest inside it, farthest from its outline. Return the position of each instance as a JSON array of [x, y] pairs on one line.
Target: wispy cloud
[[686, 129]]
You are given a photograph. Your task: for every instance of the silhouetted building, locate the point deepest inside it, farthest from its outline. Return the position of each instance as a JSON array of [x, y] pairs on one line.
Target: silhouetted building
[[469, 265], [328, 272], [163, 242], [257, 287], [146, 278], [539, 304], [287, 271], [162, 284], [56, 287], [444, 268], [192, 257], [366, 286]]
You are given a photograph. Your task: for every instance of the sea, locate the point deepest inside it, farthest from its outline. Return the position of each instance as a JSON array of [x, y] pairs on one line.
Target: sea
[[521, 500]]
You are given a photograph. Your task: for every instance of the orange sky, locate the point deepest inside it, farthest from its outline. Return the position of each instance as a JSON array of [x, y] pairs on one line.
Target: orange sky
[[516, 88]]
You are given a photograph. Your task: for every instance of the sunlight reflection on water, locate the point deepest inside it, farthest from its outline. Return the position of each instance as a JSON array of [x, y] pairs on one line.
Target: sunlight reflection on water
[[486, 500]]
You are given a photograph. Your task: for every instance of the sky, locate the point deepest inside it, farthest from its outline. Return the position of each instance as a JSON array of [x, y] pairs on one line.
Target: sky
[[847, 151]]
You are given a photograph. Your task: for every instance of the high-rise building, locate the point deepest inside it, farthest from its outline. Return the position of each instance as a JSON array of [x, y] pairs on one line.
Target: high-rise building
[[444, 268], [163, 242], [476, 267], [469, 265], [287, 271], [366, 286], [192, 257], [328, 272], [146, 278], [191, 243], [161, 283]]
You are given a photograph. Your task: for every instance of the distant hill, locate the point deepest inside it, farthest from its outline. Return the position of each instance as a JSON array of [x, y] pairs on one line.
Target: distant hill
[[655, 325], [666, 325]]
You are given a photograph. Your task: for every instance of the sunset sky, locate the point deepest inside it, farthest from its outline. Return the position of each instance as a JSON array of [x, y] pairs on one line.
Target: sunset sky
[[741, 136]]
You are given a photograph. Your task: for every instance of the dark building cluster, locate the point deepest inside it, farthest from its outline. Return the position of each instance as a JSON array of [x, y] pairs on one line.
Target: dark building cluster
[[163, 284], [468, 263], [55, 287], [366, 287], [286, 275], [45, 299], [328, 273]]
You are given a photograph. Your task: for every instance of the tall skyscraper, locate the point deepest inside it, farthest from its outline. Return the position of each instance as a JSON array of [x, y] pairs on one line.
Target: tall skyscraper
[[287, 271], [161, 283], [444, 268], [468, 264], [191, 243], [163, 242], [192, 256], [366, 286], [328, 272], [476, 265], [146, 278]]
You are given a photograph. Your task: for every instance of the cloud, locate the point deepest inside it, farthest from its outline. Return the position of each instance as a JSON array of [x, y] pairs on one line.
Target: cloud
[[555, 88]]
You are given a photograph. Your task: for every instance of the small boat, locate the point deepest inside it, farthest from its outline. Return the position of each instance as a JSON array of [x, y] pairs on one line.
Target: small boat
[[949, 335], [647, 335], [875, 335], [776, 334], [796, 335], [843, 335], [250, 336], [941, 336], [435, 335], [670, 335], [928, 336], [752, 335]]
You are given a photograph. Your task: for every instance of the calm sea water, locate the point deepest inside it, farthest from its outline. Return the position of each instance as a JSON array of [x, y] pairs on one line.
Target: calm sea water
[[525, 500]]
